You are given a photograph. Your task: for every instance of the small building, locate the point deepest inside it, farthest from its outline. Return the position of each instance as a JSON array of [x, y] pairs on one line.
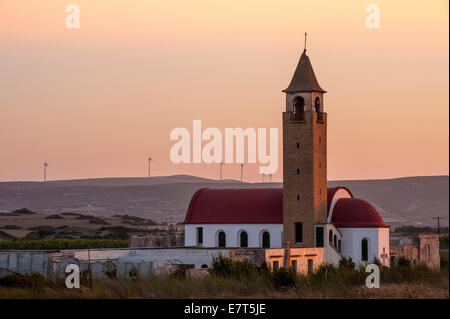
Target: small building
[[417, 248]]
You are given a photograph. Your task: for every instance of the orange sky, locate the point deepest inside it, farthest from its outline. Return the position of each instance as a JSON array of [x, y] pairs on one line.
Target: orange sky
[[95, 101]]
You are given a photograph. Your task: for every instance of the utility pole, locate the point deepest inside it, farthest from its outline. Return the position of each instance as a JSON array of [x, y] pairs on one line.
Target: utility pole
[[242, 172], [439, 227], [221, 165]]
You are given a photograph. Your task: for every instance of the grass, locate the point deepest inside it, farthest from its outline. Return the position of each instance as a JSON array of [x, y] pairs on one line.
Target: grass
[[242, 280]]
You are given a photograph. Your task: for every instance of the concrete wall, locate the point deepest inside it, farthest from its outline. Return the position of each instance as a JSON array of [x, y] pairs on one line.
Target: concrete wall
[[24, 262], [232, 231], [145, 261], [52, 264]]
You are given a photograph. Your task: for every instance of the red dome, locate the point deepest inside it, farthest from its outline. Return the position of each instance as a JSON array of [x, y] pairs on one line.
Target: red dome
[[236, 206], [356, 213]]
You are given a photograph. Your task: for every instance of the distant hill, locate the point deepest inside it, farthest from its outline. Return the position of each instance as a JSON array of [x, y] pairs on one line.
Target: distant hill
[[401, 201]]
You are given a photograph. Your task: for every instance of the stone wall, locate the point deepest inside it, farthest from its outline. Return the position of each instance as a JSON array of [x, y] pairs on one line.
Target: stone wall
[[418, 248]]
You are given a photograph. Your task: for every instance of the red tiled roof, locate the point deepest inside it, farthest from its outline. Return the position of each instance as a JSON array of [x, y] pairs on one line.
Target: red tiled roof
[[236, 206], [265, 206]]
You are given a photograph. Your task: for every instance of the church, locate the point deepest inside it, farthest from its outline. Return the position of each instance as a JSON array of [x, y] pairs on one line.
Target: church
[[305, 217]]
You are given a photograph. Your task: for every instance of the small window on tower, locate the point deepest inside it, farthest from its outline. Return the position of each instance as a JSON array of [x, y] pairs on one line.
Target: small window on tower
[[298, 196], [298, 232], [298, 145], [320, 139], [298, 171], [320, 165]]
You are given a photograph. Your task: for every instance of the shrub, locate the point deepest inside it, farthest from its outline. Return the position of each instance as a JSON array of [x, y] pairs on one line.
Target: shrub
[[34, 281], [10, 227], [403, 262], [346, 262], [44, 228], [5, 236], [226, 267], [40, 234], [71, 214], [54, 217], [443, 241], [23, 211], [109, 269], [284, 278]]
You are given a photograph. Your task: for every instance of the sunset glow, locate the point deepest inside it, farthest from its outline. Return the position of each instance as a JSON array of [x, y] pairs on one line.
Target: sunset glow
[[97, 101]]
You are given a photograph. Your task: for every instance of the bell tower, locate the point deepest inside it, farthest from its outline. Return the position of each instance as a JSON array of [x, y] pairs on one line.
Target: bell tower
[[304, 157]]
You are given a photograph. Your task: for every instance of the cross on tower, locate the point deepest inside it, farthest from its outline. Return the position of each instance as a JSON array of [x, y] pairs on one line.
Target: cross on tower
[[306, 34]]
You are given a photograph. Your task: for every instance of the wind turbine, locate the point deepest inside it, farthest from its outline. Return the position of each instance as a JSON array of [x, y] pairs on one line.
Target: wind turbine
[[45, 171], [150, 160], [221, 166], [242, 172], [263, 177]]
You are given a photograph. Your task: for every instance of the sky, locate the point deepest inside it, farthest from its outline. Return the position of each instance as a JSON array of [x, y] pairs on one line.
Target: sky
[[99, 100]]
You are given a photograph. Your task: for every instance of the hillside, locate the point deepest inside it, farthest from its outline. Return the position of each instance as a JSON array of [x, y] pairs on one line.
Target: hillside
[[401, 201]]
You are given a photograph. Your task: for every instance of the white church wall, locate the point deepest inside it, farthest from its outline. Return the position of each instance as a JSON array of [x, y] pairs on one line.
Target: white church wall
[[352, 243], [232, 231]]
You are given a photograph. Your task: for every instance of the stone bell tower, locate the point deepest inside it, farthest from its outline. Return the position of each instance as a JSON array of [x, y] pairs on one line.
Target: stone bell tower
[[304, 157]]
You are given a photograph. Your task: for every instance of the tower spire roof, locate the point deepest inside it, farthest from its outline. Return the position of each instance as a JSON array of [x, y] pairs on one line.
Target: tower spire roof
[[304, 79]]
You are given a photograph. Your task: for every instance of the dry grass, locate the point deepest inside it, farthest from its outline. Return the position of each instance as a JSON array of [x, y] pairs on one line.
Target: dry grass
[[213, 287], [237, 279]]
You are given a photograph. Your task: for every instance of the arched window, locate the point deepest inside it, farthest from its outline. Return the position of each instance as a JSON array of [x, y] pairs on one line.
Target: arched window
[[299, 108], [364, 249], [243, 239], [265, 239], [221, 239], [335, 241], [339, 245], [317, 109], [330, 237]]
